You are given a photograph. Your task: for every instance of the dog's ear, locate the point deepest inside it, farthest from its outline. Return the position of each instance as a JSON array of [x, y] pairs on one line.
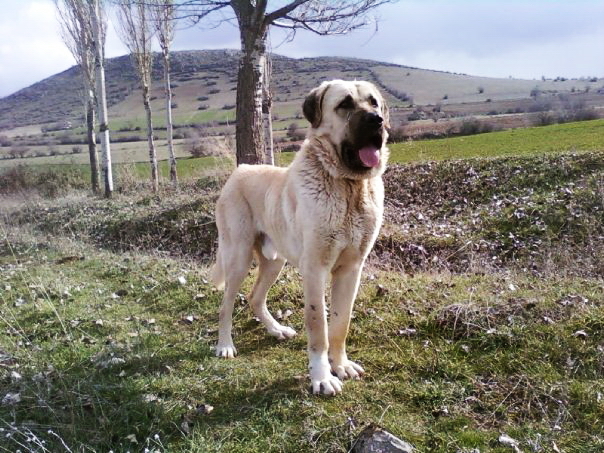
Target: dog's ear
[[385, 114], [313, 106]]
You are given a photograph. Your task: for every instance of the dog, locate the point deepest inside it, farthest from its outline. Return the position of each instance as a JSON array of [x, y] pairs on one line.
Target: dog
[[322, 214]]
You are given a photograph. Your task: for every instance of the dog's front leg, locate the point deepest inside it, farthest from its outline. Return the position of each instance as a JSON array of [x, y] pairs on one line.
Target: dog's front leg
[[315, 318], [345, 284]]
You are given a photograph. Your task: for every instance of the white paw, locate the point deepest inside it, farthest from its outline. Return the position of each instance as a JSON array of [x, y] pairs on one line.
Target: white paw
[[227, 351], [330, 385], [348, 370], [282, 332]]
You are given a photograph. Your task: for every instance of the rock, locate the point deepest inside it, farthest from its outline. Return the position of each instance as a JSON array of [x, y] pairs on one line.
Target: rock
[[374, 439]]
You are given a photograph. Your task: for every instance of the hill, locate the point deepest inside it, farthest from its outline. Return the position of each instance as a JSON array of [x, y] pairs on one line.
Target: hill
[[205, 81]]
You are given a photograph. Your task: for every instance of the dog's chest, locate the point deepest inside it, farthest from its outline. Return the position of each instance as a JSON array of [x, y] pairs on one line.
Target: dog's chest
[[354, 215]]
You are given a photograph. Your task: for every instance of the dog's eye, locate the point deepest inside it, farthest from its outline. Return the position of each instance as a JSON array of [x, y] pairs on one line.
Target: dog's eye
[[347, 103], [373, 101]]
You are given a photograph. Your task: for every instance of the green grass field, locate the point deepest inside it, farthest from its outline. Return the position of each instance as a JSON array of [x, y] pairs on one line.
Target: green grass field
[[580, 136], [481, 312]]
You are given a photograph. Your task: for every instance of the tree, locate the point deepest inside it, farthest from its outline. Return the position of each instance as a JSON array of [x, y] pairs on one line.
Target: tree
[[163, 19], [254, 20], [267, 113], [77, 34], [136, 34], [96, 11]]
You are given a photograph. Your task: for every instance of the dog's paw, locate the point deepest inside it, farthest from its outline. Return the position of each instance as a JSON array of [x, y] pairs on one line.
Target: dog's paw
[[226, 351], [331, 385], [282, 332], [348, 370]]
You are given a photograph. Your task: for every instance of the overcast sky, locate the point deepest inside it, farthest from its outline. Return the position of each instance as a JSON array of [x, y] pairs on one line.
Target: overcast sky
[[495, 38]]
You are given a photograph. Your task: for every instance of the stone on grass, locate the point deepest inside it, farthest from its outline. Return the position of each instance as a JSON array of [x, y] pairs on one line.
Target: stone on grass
[[374, 439]]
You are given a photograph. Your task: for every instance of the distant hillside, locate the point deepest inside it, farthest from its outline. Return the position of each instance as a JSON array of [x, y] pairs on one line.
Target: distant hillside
[[205, 82]]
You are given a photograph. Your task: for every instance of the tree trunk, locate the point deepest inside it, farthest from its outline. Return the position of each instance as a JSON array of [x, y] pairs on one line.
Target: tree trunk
[[102, 99], [169, 127], [91, 139], [267, 120], [249, 131], [152, 153]]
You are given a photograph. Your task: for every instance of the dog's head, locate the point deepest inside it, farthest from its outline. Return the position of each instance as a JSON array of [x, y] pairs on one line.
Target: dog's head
[[354, 118]]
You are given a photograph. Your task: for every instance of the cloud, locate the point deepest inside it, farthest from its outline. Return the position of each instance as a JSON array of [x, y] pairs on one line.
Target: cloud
[[494, 38], [31, 46]]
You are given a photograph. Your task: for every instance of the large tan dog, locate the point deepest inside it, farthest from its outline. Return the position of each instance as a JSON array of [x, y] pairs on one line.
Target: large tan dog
[[322, 214]]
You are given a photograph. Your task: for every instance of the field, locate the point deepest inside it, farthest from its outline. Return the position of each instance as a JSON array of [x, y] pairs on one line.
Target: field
[[480, 314]]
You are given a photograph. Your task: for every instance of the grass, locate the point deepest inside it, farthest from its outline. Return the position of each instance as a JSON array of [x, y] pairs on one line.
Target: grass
[[579, 136], [470, 321], [106, 355]]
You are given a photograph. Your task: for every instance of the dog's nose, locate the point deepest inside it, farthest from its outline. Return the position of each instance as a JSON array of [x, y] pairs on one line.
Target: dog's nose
[[374, 119]]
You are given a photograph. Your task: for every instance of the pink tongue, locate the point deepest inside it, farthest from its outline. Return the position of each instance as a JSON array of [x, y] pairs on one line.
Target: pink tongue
[[370, 156]]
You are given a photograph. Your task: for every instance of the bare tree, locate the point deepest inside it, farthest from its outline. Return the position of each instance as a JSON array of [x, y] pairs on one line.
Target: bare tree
[[254, 18], [267, 112], [163, 19], [136, 34], [96, 12], [77, 34]]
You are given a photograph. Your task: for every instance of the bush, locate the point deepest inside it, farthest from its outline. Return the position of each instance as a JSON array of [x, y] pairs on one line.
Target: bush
[[18, 151], [200, 145], [48, 182], [290, 147], [76, 150], [472, 126], [397, 134], [545, 119], [203, 98], [5, 141], [540, 106], [295, 133]]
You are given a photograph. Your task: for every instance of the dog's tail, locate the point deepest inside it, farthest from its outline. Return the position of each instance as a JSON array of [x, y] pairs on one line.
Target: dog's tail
[[217, 273]]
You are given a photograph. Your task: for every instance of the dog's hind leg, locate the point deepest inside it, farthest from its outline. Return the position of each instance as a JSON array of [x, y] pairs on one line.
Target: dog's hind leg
[[237, 259], [268, 271]]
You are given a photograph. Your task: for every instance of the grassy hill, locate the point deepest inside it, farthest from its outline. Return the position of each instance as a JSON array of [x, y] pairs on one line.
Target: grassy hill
[[212, 74]]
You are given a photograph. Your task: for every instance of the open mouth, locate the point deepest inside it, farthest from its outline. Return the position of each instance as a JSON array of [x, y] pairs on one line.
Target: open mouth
[[364, 156]]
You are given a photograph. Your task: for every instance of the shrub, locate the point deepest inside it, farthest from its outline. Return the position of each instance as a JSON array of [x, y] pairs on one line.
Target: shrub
[[203, 98], [397, 134], [540, 106], [200, 145], [214, 91], [295, 133], [472, 126], [18, 151], [290, 147], [545, 119], [5, 141], [47, 182], [76, 150]]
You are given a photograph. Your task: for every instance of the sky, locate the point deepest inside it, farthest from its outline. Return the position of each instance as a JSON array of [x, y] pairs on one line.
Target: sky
[[494, 38]]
